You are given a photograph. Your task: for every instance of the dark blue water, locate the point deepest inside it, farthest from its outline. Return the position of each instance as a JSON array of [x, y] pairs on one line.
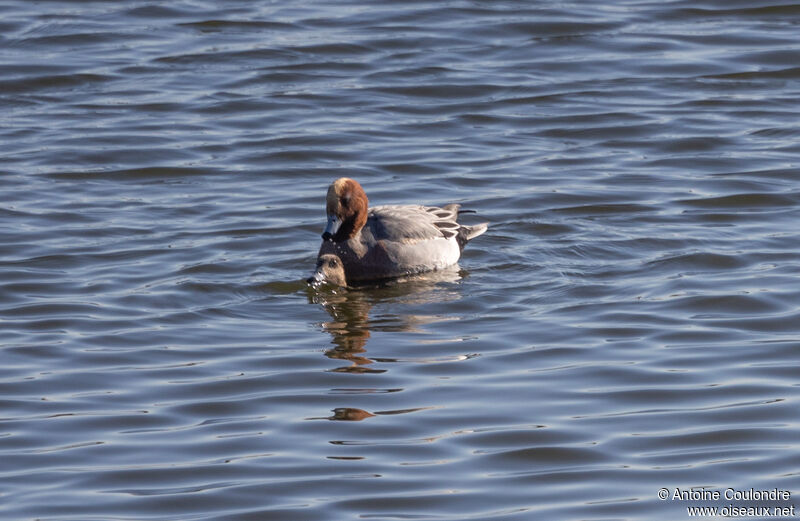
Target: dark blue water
[[630, 321]]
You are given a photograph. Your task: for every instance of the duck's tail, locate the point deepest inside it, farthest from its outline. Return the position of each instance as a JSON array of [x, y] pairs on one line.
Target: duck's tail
[[467, 233]]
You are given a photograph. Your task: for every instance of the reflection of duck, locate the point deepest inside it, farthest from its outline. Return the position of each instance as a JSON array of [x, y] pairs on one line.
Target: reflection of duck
[[352, 414], [362, 243], [350, 309], [349, 327]]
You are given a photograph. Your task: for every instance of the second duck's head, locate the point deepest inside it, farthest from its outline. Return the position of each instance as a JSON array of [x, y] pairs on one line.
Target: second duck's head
[[329, 269]]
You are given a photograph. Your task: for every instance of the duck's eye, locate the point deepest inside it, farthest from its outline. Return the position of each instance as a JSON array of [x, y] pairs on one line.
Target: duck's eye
[[332, 263], [346, 200]]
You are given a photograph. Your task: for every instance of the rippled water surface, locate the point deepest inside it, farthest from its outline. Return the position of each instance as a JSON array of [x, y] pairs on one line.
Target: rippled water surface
[[630, 322]]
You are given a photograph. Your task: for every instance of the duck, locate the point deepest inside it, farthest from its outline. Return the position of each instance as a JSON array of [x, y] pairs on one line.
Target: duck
[[362, 243]]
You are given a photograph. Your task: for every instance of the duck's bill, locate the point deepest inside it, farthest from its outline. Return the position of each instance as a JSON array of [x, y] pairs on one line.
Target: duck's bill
[[316, 278], [331, 228]]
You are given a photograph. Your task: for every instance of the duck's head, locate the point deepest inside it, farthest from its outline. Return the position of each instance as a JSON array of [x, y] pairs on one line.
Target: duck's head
[[346, 206], [329, 269]]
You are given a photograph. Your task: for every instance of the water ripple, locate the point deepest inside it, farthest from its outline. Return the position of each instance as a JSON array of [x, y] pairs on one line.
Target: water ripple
[[629, 322]]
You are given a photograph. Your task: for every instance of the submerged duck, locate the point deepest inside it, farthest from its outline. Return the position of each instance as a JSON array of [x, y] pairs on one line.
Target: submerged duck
[[362, 243]]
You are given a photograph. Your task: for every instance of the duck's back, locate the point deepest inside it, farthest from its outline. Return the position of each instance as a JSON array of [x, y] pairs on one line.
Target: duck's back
[[411, 223]]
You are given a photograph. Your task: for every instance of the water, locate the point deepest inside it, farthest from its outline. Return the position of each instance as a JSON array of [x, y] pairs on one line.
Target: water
[[630, 322]]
